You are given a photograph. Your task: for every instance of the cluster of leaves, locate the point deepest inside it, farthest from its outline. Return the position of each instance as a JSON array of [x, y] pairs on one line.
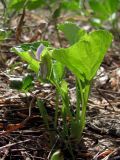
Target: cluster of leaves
[[17, 5], [82, 58], [104, 10], [34, 4], [97, 11]]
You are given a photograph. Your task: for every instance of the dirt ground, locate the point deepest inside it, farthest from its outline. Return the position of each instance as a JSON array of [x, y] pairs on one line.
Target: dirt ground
[[25, 138]]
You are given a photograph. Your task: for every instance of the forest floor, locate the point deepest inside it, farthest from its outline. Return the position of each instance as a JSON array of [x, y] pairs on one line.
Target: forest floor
[[25, 138]]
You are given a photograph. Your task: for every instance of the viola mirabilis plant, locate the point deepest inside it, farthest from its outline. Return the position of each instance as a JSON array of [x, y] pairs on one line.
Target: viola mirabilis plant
[[83, 59]]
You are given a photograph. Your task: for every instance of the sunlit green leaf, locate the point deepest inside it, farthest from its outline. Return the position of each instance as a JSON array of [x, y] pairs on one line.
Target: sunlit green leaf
[[72, 5], [57, 72], [85, 56], [26, 56], [27, 52]]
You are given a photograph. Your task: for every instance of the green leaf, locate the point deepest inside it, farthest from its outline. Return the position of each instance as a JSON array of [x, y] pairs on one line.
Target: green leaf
[[57, 156], [45, 65], [57, 12], [63, 90], [72, 5], [27, 52], [75, 128], [20, 4], [16, 4], [85, 56], [34, 4], [27, 82], [72, 32], [26, 56], [33, 46], [57, 72]]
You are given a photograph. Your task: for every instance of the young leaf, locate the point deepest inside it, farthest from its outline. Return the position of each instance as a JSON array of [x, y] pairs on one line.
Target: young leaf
[[75, 128], [45, 65], [25, 55], [57, 156], [85, 56], [65, 99], [33, 46], [57, 72], [27, 52], [27, 82]]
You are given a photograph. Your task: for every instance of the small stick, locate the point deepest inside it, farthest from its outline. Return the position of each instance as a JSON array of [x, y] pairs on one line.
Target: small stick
[[105, 98], [19, 27], [5, 154], [12, 144]]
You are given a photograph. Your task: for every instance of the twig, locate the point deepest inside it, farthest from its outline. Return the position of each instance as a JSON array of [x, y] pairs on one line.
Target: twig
[[103, 95], [5, 154], [19, 27], [25, 155], [109, 154], [12, 144], [31, 103]]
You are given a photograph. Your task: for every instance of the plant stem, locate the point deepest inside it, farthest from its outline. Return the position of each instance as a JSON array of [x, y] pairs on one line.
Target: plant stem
[[56, 111], [84, 90], [78, 97]]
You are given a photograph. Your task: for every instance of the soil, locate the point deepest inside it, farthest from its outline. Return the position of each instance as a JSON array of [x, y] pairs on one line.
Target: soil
[[23, 134]]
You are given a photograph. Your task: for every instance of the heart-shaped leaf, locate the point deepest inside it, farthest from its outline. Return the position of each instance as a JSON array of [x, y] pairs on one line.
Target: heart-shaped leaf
[[85, 56]]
